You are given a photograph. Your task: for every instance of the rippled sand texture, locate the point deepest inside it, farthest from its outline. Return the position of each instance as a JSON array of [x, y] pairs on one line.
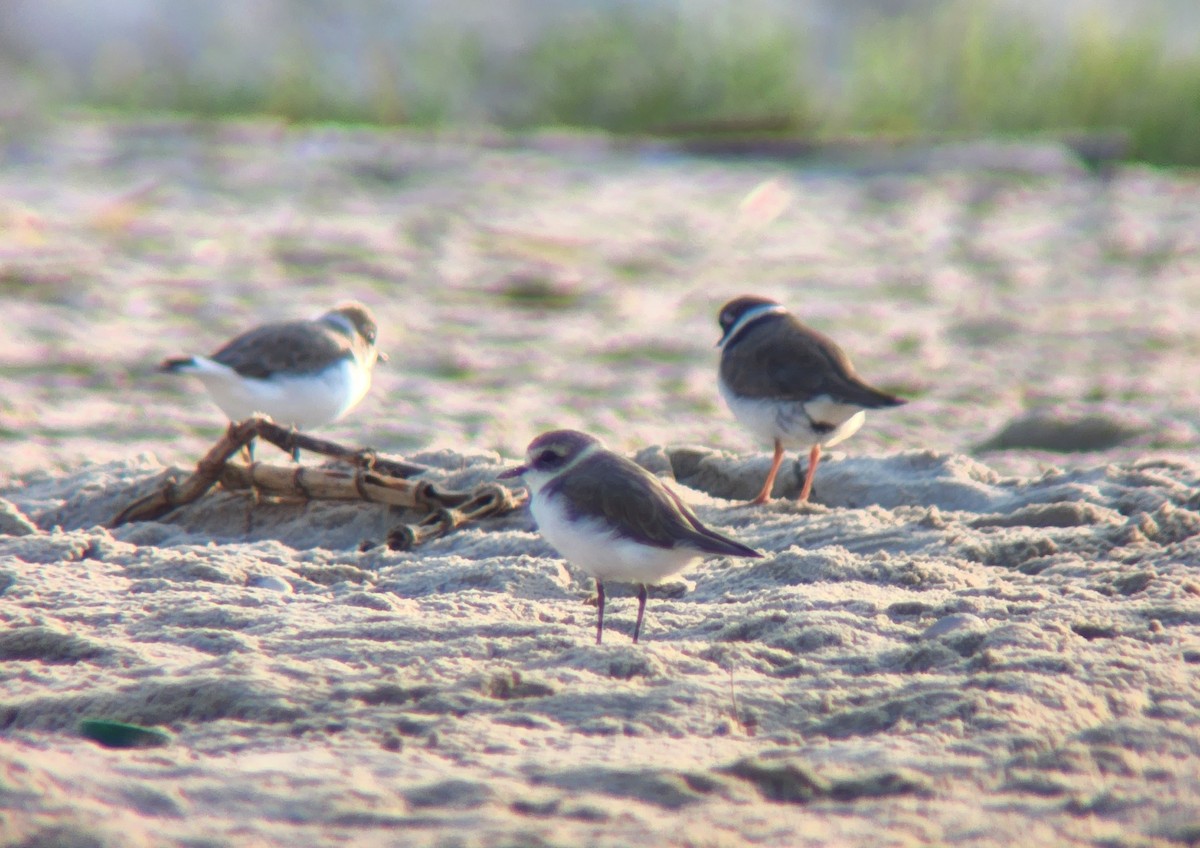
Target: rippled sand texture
[[985, 630]]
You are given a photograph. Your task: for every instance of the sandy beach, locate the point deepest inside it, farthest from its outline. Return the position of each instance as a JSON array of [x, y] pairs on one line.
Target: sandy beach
[[984, 629]]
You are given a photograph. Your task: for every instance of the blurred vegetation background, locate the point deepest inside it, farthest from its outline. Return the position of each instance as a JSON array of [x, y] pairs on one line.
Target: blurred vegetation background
[[816, 70]]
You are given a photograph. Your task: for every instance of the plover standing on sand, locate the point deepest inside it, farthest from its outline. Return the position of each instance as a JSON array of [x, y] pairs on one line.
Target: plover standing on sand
[[301, 373], [789, 384], [612, 518]]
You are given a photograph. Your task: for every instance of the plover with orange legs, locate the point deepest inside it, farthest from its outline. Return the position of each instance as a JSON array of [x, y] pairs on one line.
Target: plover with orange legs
[[789, 384], [611, 518]]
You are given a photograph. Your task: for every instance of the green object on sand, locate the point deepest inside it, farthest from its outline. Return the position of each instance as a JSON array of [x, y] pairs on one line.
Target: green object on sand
[[114, 734]]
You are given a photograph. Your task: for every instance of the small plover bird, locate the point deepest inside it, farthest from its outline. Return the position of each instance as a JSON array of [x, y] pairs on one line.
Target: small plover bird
[[301, 373], [612, 518], [789, 384]]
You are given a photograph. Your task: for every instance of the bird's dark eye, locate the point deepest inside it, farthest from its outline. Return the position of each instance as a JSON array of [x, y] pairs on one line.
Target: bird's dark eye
[[370, 336], [548, 458]]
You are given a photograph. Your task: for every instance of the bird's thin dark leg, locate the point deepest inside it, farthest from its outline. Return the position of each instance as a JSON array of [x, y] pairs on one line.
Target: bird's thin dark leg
[[295, 447], [600, 611], [814, 457], [637, 628], [765, 495]]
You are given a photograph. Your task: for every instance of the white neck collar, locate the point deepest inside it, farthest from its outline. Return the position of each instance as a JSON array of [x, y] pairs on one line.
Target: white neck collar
[[751, 315]]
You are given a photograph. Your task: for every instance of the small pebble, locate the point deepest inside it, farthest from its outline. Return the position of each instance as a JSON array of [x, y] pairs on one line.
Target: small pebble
[[268, 581], [952, 624]]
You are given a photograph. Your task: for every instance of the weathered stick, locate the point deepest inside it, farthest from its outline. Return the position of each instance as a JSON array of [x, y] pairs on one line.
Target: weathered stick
[[208, 471], [380, 479], [373, 479], [290, 440], [487, 500], [335, 484]]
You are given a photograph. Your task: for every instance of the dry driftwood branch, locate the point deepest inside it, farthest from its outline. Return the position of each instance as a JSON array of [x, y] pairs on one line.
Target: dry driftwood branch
[[373, 479], [336, 484], [290, 440], [208, 470], [487, 500]]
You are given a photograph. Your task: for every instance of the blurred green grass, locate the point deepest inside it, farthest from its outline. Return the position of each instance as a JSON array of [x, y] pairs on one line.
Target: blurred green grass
[[971, 70], [964, 70]]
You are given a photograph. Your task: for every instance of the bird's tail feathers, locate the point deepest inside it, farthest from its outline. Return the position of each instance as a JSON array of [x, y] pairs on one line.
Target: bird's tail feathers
[[713, 542], [870, 397]]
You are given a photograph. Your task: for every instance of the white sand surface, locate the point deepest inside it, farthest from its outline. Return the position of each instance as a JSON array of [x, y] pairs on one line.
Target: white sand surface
[[984, 631]]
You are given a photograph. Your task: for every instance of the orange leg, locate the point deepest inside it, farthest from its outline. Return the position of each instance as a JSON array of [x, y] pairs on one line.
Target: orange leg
[[765, 495], [814, 457]]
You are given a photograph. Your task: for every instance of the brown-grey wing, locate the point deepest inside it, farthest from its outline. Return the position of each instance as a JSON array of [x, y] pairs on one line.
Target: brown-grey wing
[[714, 542], [296, 346], [611, 488], [798, 363], [635, 502]]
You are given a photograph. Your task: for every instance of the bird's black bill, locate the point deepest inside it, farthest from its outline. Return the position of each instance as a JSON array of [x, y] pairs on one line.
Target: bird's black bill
[[512, 472], [170, 366]]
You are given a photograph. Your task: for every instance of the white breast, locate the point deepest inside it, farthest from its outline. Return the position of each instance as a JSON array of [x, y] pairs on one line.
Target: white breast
[[593, 547], [304, 401], [791, 421]]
